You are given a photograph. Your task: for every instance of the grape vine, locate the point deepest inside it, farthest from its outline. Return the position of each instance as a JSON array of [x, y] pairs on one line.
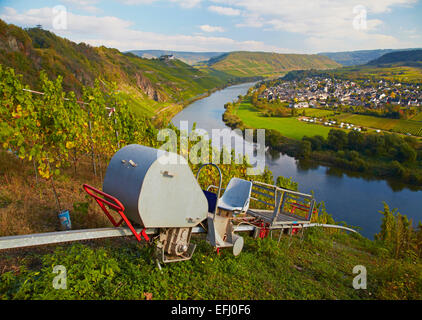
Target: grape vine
[[53, 129]]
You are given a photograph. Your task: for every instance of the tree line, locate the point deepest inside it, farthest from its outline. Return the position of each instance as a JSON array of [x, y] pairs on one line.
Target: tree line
[[387, 154]]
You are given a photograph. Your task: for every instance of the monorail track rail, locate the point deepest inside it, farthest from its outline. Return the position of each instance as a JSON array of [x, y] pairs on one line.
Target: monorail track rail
[[40, 239]]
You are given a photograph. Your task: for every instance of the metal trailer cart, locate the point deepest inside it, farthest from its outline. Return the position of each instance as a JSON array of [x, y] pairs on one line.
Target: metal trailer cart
[[272, 208], [290, 210]]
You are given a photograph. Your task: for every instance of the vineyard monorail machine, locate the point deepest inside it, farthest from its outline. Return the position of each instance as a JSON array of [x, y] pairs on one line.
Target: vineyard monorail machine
[[158, 198]]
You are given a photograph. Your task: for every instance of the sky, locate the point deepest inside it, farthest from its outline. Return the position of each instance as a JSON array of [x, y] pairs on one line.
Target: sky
[[283, 26]]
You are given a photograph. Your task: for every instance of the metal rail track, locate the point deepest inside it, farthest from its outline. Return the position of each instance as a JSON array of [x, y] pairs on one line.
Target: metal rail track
[[330, 226], [40, 239]]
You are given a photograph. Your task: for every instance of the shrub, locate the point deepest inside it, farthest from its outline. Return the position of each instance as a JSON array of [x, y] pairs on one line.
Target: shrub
[[398, 234]]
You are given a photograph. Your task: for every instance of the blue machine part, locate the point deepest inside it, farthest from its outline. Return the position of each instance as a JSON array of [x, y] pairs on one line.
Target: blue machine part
[[212, 200]]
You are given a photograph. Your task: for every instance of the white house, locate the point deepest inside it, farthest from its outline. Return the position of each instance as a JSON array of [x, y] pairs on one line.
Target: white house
[[299, 105]]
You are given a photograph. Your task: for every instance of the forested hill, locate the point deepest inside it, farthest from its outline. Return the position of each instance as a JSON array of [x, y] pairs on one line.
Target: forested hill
[[148, 83], [409, 57], [358, 57], [243, 63]]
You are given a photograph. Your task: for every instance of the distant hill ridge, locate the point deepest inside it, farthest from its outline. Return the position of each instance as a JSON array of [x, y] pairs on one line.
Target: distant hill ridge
[[358, 57], [403, 57], [267, 64], [185, 56]]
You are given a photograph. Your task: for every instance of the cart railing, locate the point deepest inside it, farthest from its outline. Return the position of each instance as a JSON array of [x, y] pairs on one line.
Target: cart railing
[[295, 204]]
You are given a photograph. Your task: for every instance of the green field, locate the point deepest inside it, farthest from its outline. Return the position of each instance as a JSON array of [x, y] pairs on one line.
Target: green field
[[289, 127], [310, 112], [367, 121], [392, 73], [395, 73], [396, 125]]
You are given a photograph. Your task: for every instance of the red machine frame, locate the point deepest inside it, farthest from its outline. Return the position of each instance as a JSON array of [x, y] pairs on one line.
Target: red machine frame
[[116, 206]]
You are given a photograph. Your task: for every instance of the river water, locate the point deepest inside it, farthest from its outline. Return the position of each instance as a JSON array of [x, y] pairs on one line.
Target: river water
[[348, 197]]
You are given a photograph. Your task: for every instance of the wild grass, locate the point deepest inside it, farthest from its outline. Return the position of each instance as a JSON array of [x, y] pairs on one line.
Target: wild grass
[[28, 205], [318, 267]]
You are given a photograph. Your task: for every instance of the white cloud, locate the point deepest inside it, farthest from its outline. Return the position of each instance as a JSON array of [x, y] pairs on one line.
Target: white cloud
[[251, 20], [118, 33], [325, 24], [187, 3], [208, 28], [182, 3], [86, 5], [363, 40], [136, 2], [77, 25], [411, 33], [320, 25], [227, 11]]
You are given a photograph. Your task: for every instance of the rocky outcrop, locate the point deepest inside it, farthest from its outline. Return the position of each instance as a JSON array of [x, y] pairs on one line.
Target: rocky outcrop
[[146, 86], [11, 44]]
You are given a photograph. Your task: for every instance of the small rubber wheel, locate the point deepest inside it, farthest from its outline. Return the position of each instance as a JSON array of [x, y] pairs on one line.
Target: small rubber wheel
[[237, 245]]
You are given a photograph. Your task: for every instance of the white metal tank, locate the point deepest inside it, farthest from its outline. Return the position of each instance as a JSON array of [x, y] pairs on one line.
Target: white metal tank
[[155, 193]]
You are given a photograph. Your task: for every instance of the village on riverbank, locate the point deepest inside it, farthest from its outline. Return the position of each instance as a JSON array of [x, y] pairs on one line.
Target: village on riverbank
[[331, 93]]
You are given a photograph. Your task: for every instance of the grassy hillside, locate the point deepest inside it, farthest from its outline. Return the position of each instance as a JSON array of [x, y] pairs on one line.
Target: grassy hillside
[[246, 64], [152, 84], [319, 267]]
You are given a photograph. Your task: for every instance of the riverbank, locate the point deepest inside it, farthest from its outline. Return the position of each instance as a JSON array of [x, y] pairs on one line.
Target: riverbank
[[164, 116]]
